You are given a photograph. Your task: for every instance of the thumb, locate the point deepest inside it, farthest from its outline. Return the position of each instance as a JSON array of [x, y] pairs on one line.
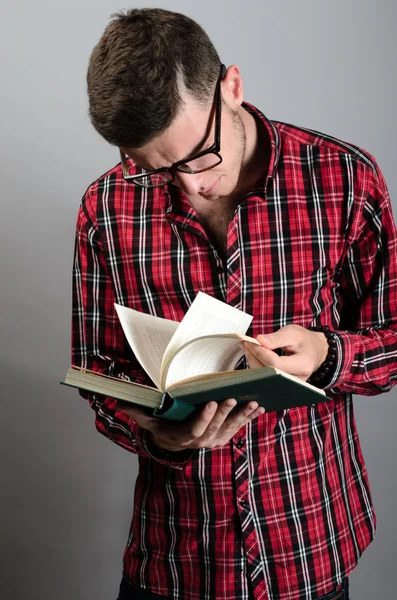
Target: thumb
[[277, 339]]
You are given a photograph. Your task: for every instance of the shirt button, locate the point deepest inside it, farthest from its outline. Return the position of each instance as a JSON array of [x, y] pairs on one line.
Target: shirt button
[[220, 270], [240, 444], [243, 503]]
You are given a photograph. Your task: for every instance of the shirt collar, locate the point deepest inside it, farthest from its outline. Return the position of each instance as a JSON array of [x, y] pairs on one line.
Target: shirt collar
[[274, 136]]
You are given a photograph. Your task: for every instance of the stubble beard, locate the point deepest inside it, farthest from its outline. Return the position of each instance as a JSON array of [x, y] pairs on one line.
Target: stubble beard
[[241, 147], [237, 162]]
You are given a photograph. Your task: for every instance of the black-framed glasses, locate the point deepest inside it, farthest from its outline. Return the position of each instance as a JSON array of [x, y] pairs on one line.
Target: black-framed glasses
[[203, 161]]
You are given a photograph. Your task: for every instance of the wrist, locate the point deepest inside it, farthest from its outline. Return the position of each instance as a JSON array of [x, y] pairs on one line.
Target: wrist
[[322, 376], [161, 445], [166, 452]]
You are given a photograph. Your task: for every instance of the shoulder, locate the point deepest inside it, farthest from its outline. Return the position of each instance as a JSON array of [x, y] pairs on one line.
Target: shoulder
[[323, 143], [109, 201], [92, 200]]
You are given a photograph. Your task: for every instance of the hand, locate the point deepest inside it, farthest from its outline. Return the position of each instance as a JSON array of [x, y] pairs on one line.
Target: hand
[[213, 426], [304, 350]]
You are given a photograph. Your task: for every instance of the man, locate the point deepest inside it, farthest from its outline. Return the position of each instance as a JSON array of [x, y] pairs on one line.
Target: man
[[290, 225]]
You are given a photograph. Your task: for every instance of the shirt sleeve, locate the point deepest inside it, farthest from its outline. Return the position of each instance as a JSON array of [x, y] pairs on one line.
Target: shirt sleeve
[[98, 343], [367, 343]]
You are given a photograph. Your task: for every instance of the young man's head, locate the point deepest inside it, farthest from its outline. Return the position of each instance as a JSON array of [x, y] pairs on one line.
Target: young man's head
[[154, 81]]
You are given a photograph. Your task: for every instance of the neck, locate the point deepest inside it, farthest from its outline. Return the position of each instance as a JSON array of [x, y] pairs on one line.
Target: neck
[[257, 154]]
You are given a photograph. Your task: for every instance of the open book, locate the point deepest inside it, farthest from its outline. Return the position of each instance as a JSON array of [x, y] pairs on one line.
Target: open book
[[192, 362]]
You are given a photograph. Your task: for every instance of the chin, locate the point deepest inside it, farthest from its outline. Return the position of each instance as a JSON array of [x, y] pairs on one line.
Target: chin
[[211, 197]]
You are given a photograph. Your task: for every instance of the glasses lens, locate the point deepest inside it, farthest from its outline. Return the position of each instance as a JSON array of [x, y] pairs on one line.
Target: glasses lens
[[143, 178], [150, 180], [204, 163]]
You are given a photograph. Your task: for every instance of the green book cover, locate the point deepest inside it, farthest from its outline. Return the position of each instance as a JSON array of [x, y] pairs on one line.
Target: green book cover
[[271, 388]]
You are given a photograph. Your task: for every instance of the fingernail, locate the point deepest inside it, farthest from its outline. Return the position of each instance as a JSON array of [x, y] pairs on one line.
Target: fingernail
[[212, 407], [230, 403], [253, 405]]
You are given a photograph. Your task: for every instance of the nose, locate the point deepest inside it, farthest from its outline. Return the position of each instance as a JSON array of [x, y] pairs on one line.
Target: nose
[[189, 183]]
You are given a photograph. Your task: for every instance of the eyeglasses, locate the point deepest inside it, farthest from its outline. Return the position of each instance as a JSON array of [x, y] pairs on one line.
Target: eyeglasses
[[203, 161]]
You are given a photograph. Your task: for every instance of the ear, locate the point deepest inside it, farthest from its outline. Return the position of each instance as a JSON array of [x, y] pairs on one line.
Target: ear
[[232, 87]]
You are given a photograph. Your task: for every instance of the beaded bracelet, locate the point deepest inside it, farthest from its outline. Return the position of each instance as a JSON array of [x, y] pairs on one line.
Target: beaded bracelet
[[322, 376]]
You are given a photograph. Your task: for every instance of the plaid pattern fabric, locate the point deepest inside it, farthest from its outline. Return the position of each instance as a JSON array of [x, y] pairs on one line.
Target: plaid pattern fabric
[[285, 507]]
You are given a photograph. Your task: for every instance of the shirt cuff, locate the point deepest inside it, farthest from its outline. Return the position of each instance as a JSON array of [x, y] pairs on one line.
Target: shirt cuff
[[345, 356], [175, 460]]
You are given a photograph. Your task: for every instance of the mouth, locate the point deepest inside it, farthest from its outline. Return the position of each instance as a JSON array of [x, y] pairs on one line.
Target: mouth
[[211, 189]]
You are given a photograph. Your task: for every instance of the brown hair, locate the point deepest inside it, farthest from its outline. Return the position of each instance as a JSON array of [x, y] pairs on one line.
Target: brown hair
[[138, 69]]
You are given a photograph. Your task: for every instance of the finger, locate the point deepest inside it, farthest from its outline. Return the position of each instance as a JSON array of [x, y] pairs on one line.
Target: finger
[[235, 421], [296, 364], [219, 418], [256, 413], [232, 427], [288, 336], [261, 356], [201, 422], [253, 361], [201, 427]]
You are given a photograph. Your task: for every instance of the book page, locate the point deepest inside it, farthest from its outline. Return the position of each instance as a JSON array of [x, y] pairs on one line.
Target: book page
[[148, 337], [206, 316], [300, 381], [114, 387], [210, 354], [202, 356]]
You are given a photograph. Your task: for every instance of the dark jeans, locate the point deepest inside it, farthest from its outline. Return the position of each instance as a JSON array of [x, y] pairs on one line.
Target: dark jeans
[[127, 592]]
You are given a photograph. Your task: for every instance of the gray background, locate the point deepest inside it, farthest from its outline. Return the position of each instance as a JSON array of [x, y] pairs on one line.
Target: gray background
[[66, 492]]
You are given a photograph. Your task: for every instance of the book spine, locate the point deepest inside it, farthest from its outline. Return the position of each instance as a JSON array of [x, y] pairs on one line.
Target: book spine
[[173, 409]]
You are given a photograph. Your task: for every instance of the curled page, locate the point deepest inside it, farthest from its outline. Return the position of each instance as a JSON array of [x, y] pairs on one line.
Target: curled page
[[201, 356], [148, 337], [206, 316]]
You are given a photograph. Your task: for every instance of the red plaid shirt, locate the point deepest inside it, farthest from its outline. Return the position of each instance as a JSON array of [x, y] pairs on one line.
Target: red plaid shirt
[[285, 507]]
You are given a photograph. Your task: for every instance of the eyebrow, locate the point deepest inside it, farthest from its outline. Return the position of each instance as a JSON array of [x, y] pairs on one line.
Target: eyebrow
[[200, 146]]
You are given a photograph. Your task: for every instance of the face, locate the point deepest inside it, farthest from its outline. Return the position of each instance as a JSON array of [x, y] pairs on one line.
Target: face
[[191, 132]]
